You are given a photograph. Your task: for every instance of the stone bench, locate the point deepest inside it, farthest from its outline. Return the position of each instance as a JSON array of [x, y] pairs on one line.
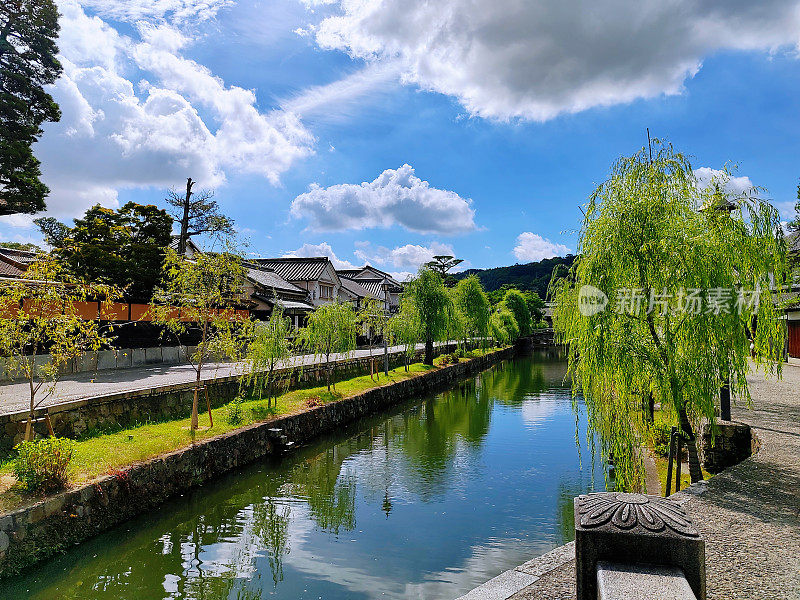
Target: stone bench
[[628, 582]]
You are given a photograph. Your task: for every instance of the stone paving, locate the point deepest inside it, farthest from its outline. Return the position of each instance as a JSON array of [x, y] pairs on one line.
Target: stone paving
[[749, 515], [14, 396]]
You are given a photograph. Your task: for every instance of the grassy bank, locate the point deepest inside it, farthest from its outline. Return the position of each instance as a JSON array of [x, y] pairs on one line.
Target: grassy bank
[[110, 452]]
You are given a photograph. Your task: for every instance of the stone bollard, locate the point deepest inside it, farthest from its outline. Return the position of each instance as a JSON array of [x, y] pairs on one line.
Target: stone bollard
[[634, 529]]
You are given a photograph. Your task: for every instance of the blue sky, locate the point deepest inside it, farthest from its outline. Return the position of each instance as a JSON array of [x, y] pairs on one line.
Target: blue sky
[[479, 127]]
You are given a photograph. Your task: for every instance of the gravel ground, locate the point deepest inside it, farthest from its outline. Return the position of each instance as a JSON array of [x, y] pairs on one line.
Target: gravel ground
[[749, 515]]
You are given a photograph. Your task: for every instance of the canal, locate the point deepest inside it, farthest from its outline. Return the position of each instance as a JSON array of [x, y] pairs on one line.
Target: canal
[[426, 501]]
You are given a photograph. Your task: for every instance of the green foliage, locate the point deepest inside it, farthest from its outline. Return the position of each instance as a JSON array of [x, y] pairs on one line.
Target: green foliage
[[200, 296], [268, 347], [533, 276], [517, 303], [433, 305], [41, 465], [124, 247], [405, 327], [473, 304], [20, 246], [49, 323], [659, 437], [503, 325], [28, 63], [674, 238], [331, 328], [234, 412]]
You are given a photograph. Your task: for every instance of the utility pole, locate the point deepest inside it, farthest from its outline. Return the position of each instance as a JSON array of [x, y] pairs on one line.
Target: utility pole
[[184, 236]]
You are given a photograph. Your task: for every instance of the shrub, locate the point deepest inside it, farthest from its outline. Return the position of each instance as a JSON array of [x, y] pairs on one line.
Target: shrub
[[460, 353], [659, 436], [41, 465], [260, 412], [234, 414]]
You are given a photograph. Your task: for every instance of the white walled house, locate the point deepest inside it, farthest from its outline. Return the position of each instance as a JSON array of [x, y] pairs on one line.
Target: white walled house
[[316, 275]]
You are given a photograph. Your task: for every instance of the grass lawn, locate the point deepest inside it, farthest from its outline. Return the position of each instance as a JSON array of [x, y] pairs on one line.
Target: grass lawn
[[105, 453]]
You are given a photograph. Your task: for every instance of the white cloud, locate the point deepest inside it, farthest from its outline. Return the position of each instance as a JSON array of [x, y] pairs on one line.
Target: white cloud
[[395, 197], [322, 249], [532, 247], [786, 209], [536, 60], [179, 120], [734, 186], [345, 97], [409, 257], [135, 10]]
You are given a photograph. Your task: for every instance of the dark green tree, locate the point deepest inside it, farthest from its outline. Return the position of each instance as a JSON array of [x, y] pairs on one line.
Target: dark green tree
[[124, 247], [28, 33], [518, 305]]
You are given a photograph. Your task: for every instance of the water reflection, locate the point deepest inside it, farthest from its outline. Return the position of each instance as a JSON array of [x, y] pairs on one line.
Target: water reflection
[[424, 502]]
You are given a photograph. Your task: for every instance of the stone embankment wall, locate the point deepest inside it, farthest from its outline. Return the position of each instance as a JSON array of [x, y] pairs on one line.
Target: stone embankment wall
[[34, 533], [72, 419], [732, 443]]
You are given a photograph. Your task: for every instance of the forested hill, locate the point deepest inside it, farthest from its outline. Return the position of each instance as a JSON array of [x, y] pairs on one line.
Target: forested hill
[[531, 276]]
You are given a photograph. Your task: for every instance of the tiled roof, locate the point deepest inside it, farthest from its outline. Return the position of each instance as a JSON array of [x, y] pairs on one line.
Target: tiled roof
[[374, 286], [368, 272], [296, 269], [23, 257], [350, 273], [9, 270], [271, 280], [355, 288]]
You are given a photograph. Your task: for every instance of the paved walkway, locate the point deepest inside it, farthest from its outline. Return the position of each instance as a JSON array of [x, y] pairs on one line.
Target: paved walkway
[[15, 396], [749, 515]]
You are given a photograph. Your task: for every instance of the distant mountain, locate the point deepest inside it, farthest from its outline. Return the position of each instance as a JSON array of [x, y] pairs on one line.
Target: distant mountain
[[531, 276]]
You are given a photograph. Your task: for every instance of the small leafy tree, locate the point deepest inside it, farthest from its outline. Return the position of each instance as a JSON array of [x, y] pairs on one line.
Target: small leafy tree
[[670, 253], [199, 297], [474, 306], [331, 328], [42, 328], [433, 306], [405, 327], [268, 347], [517, 303], [373, 318]]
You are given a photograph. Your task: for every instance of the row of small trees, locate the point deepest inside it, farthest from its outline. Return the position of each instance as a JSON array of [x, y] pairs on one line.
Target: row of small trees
[[42, 328]]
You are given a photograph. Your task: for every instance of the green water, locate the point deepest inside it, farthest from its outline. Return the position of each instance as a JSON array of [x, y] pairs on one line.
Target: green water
[[426, 501]]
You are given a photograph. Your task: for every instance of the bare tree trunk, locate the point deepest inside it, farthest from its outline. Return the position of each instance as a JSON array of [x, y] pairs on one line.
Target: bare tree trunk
[[184, 235], [429, 352], [695, 472], [29, 425]]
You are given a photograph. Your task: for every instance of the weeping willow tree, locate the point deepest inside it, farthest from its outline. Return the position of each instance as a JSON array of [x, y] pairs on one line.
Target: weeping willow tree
[[405, 327], [331, 328], [671, 277], [268, 347], [473, 304], [503, 325], [434, 307]]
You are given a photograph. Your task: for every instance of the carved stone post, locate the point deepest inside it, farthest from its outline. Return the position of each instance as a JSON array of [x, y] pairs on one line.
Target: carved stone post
[[634, 529]]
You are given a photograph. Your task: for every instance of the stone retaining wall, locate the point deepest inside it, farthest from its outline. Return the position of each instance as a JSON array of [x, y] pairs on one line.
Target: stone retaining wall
[[731, 445], [72, 419], [32, 534]]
